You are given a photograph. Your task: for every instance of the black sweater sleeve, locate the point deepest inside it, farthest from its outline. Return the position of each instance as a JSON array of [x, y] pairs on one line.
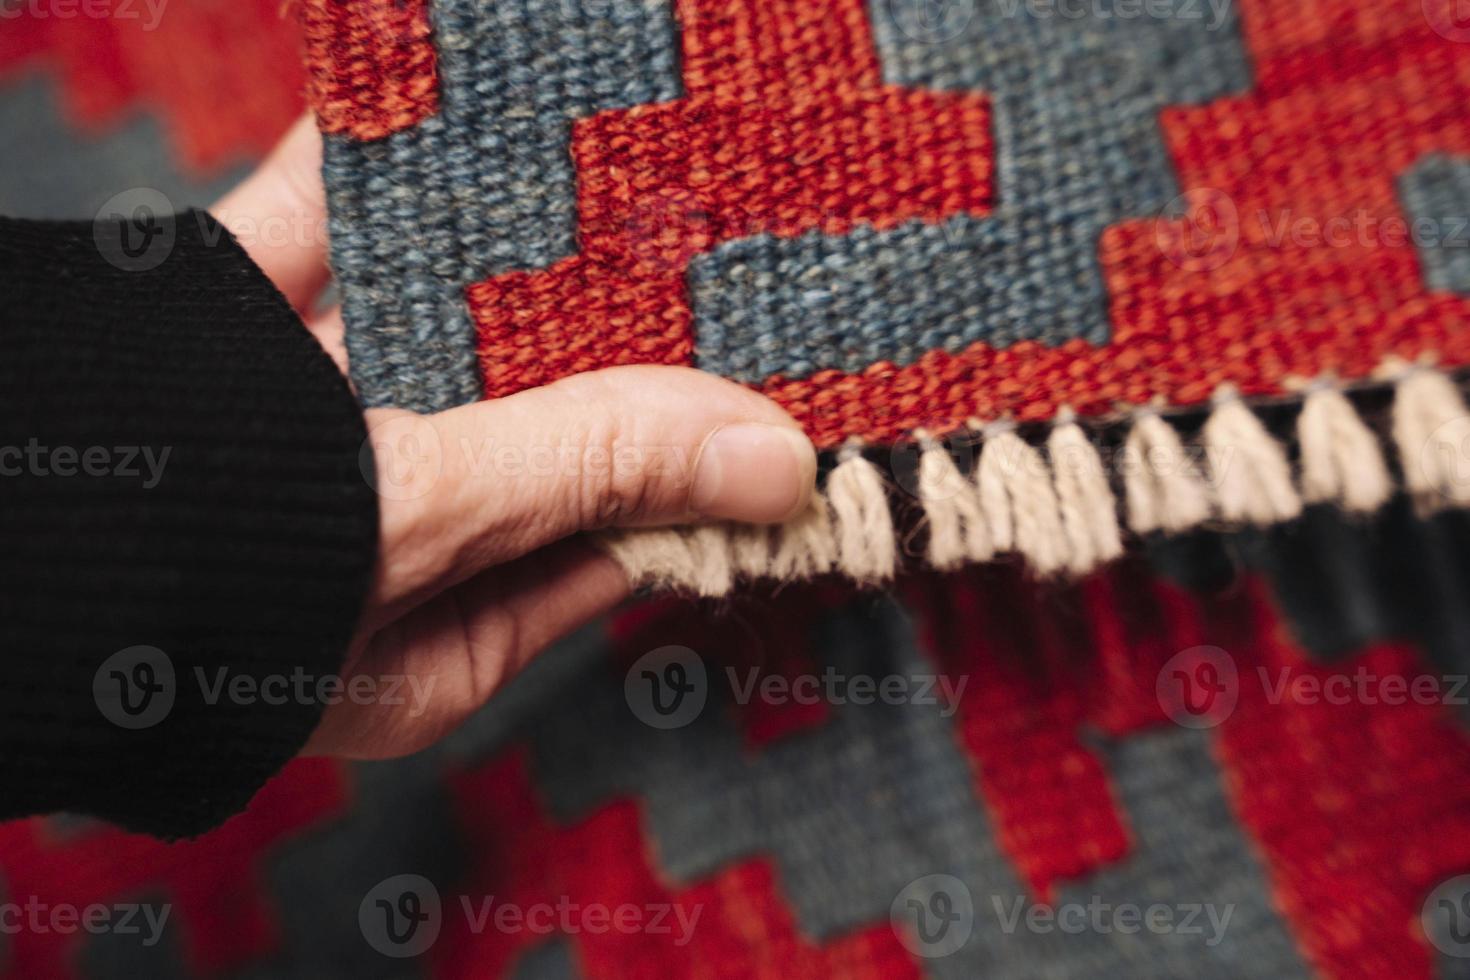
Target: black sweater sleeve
[[186, 535]]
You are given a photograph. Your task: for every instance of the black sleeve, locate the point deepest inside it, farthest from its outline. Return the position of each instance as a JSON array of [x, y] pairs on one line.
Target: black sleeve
[[186, 535]]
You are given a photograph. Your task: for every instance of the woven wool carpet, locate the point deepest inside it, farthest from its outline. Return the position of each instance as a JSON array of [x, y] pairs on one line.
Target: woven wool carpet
[[1153, 734], [929, 223]]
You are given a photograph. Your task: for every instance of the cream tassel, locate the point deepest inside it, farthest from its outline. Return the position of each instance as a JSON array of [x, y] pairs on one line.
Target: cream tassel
[[713, 561], [1163, 488], [1089, 510], [865, 537], [1341, 459], [957, 531], [1020, 506], [750, 550], [805, 546], [654, 556], [1252, 477], [1431, 428]]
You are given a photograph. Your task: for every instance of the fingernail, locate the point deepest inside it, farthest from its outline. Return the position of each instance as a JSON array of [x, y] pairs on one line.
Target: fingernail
[[754, 473]]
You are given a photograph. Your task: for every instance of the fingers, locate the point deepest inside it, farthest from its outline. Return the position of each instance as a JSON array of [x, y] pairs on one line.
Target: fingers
[[486, 483], [279, 216], [460, 649]]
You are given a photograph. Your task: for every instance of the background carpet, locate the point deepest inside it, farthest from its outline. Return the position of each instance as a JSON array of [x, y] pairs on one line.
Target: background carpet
[[1077, 765]]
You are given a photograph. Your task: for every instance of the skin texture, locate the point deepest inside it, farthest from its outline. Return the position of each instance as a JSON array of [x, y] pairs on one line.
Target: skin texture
[[480, 563]]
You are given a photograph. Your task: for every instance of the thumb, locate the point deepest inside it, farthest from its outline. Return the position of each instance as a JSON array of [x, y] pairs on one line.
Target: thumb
[[279, 216], [485, 483]]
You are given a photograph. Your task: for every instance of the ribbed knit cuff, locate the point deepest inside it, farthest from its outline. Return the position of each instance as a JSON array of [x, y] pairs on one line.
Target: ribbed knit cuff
[[183, 522]]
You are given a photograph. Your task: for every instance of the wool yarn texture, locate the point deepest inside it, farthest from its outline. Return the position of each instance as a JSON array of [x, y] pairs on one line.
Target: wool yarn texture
[[1047, 238]]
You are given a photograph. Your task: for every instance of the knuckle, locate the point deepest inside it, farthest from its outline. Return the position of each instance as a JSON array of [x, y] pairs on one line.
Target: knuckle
[[610, 486]]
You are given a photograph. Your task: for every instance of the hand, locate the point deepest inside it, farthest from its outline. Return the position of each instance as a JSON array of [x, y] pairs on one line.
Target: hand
[[478, 567]]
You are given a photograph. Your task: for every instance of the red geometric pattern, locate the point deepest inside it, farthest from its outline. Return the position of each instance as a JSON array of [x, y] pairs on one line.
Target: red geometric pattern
[[1333, 795], [213, 883], [218, 110], [776, 646], [1357, 810], [785, 128], [1019, 722], [1336, 795], [1348, 96], [1360, 808], [744, 927], [372, 63]]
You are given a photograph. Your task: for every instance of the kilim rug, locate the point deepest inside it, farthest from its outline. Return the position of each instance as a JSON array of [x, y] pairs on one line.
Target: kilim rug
[[1222, 755], [1013, 238]]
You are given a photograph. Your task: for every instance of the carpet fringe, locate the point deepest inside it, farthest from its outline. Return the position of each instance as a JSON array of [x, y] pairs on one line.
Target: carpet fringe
[[958, 530], [1252, 478], [1341, 461], [1089, 511], [1433, 436], [1056, 505]]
